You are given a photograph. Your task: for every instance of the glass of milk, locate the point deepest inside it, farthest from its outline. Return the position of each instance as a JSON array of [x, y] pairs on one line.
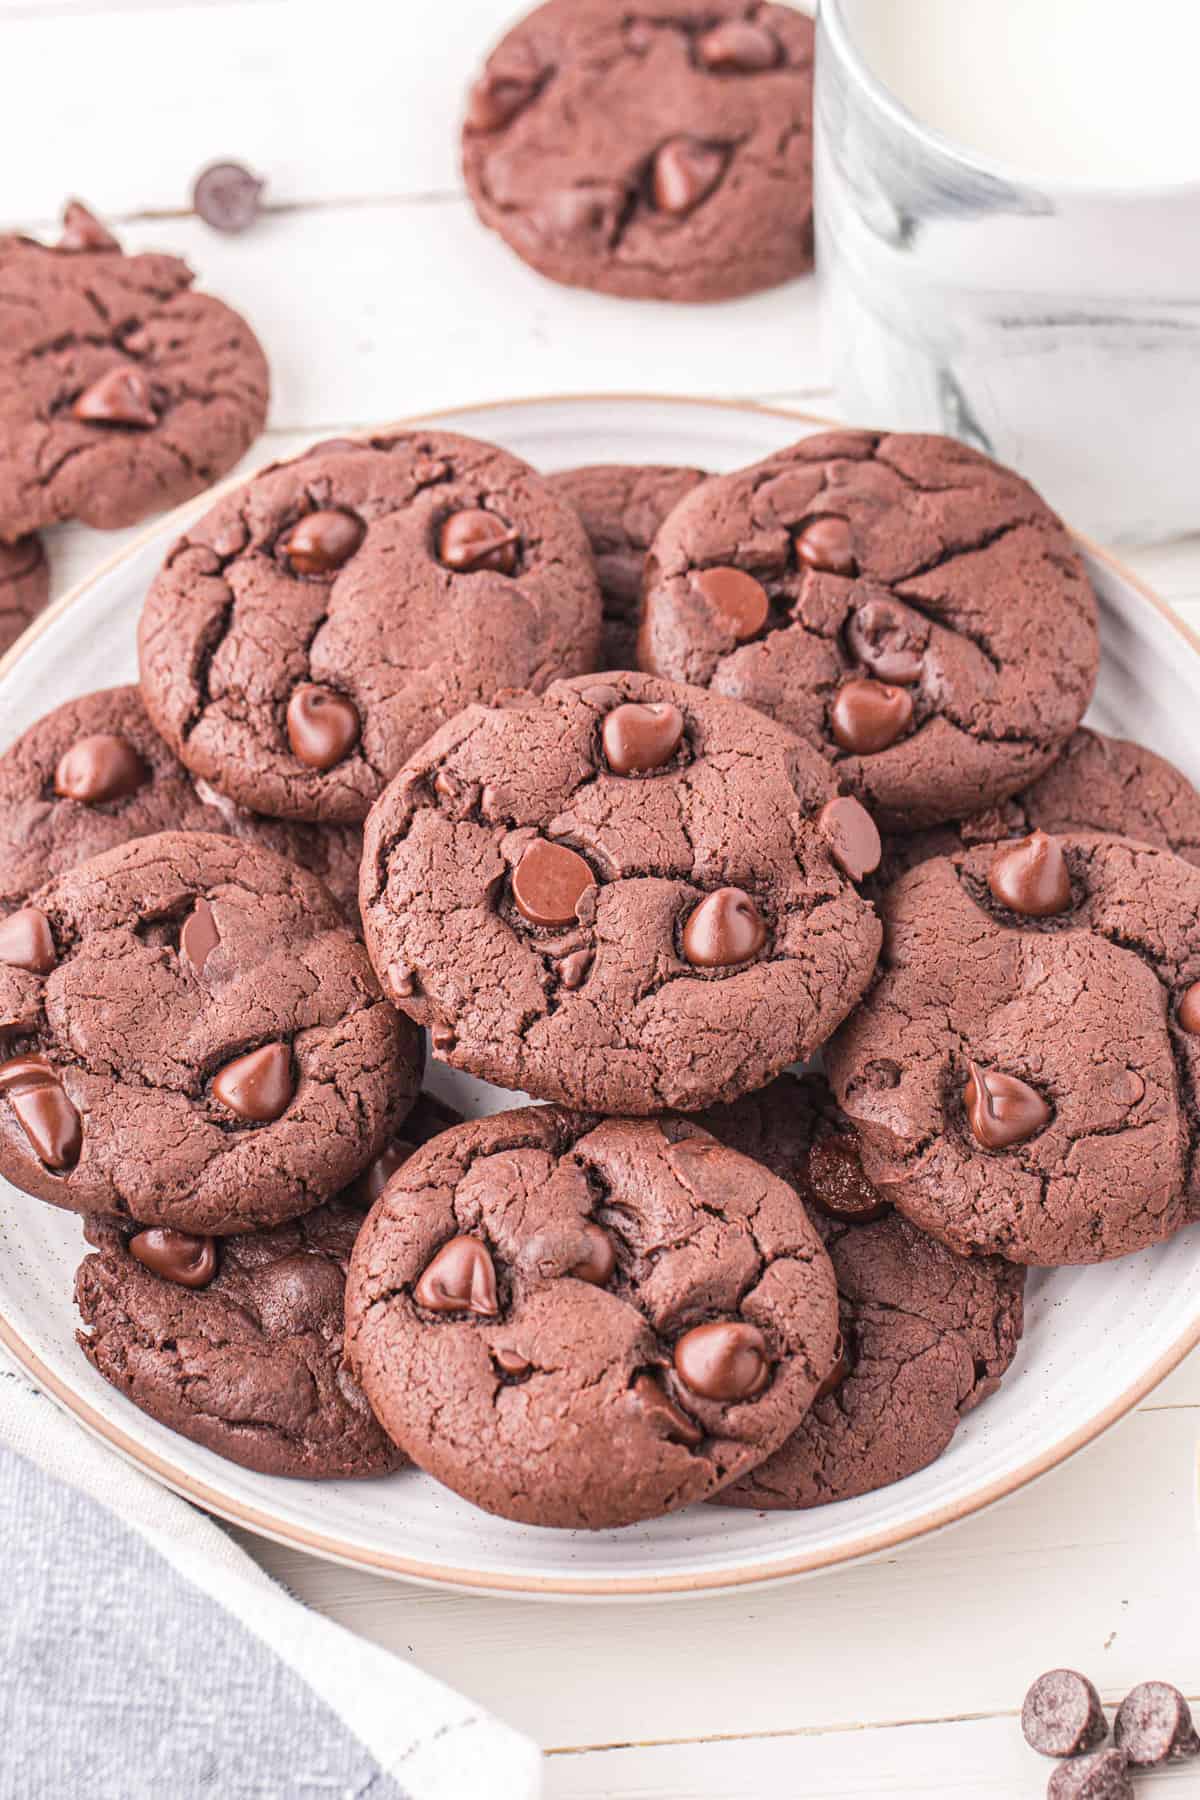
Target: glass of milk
[[1008, 236]]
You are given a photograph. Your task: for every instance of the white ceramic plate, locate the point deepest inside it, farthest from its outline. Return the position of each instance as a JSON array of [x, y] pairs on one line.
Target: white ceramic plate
[[1096, 1340]]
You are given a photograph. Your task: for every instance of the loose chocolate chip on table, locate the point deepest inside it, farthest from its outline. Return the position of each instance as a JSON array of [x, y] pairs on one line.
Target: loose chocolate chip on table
[[258, 1086], [549, 882], [26, 941], [1001, 1109], [199, 937], [600, 1258], [662, 1412], [477, 539], [740, 602], [322, 726], [639, 738], [461, 1278], [852, 835], [686, 170], [177, 1256], [827, 545], [869, 716], [1188, 1012], [725, 1360], [1154, 1725], [82, 230], [882, 640], [1062, 1714], [46, 1115], [1102, 1776], [227, 196], [1031, 877], [837, 1185], [738, 47], [725, 929], [321, 541], [122, 397], [100, 767]]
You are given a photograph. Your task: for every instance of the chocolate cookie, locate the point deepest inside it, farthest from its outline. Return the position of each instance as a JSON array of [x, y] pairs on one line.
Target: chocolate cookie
[[193, 1039], [622, 507], [911, 609], [926, 1335], [1098, 784], [316, 626], [238, 1343], [121, 390], [1024, 1074], [625, 895], [660, 151], [94, 773], [584, 1323], [24, 586]]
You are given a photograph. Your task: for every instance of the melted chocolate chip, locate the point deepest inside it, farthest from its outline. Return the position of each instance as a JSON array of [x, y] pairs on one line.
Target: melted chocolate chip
[[827, 545], [852, 836], [46, 1115], [26, 941], [835, 1182], [727, 1360], [638, 738], [321, 542], [1188, 1012], [1002, 1110], [511, 1362], [738, 47], [684, 172], [883, 639], [199, 937], [837, 1374], [227, 196], [322, 726], [82, 230], [370, 1184], [461, 1278], [98, 768], [739, 603], [869, 716], [477, 539], [726, 928], [661, 1413], [122, 397], [258, 1086], [549, 882], [496, 99], [176, 1255], [1031, 877], [600, 1259]]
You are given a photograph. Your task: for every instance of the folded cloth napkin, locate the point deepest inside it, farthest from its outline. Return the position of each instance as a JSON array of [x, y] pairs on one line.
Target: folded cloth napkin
[[142, 1653]]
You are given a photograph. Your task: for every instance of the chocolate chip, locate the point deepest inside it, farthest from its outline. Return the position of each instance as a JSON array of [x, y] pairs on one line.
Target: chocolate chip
[[511, 1362], [725, 929], [1002, 1110], [599, 1260], [46, 1115], [852, 836], [1101, 1776], [1062, 1714], [322, 726], [82, 230], [827, 545], [258, 1086], [639, 738], [661, 1413], [1154, 1725], [477, 539], [837, 1374], [869, 716], [726, 1360], [549, 882], [99, 767], [321, 542], [572, 970], [835, 1182], [495, 100], [176, 1255], [739, 602], [883, 639], [461, 1278], [227, 196], [199, 937], [1031, 877], [1188, 1013], [738, 48], [577, 216], [122, 397], [370, 1184], [443, 1037], [684, 172], [26, 941]]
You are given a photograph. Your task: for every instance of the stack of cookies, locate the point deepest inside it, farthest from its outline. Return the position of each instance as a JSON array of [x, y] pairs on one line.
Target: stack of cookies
[[631, 791]]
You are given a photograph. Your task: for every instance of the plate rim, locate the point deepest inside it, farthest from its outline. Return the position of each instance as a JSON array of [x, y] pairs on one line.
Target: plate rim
[[787, 1567]]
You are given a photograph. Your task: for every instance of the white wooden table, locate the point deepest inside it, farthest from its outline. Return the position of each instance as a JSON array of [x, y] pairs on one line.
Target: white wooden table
[[377, 296]]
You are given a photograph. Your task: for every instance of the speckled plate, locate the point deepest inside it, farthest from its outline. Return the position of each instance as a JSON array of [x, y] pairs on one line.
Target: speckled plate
[[1096, 1341]]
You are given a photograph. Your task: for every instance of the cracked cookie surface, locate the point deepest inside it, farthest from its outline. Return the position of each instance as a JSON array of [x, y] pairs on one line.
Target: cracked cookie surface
[[926, 1334], [122, 391], [622, 507], [24, 586], [251, 1364], [1025, 1082], [314, 628], [627, 939], [913, 610], [194, 1039], [122, 782], [576, 1322], [660, 152]]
